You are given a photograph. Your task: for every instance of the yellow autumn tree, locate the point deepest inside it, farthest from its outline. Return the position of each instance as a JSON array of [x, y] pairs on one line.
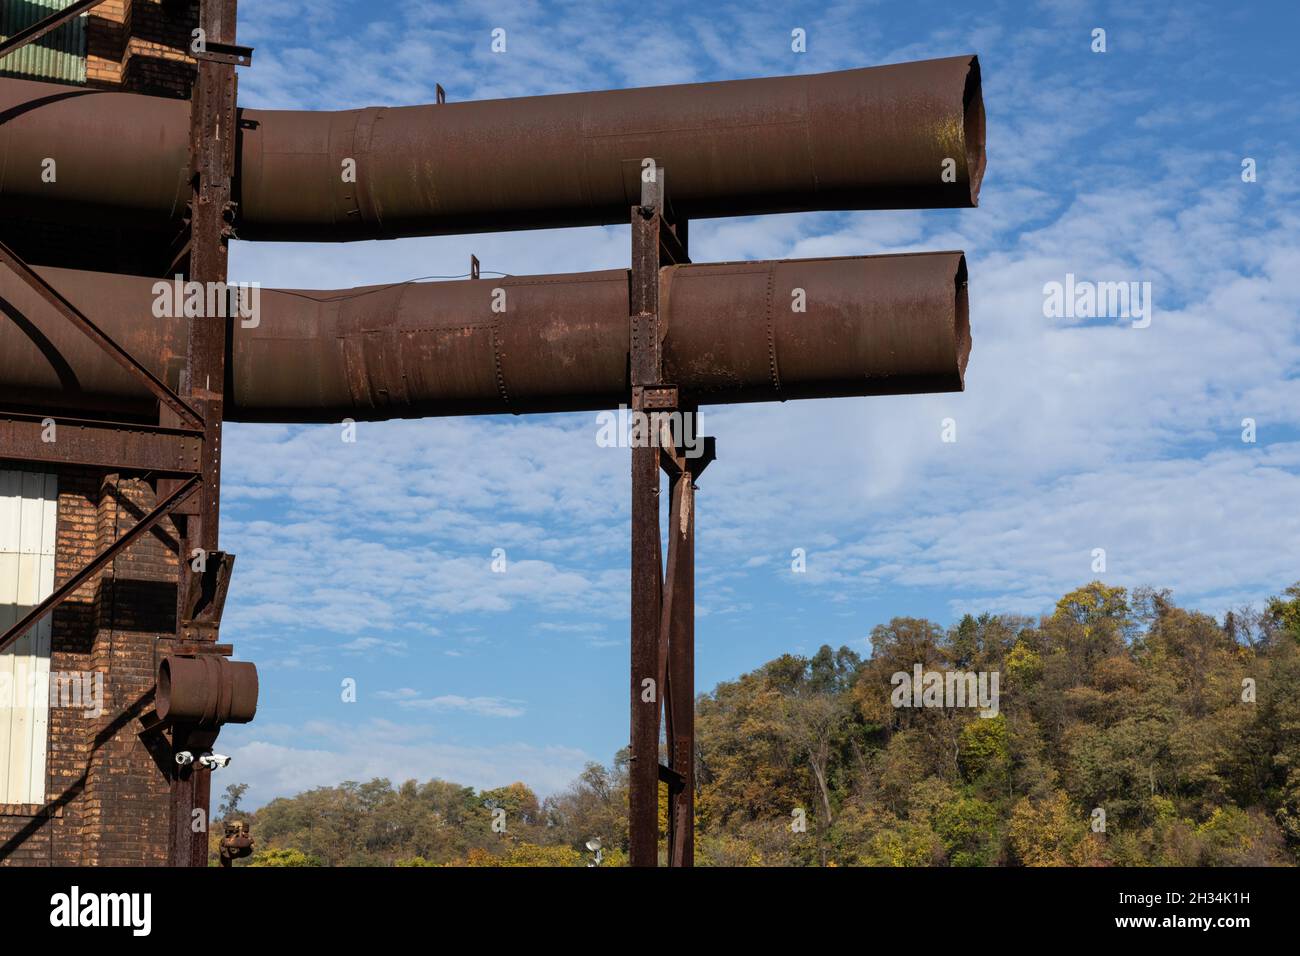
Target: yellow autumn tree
[[1051, 832]]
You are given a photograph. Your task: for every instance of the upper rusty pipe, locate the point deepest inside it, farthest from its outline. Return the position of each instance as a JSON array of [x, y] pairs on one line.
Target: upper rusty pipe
[[871, 325], [910, 135]]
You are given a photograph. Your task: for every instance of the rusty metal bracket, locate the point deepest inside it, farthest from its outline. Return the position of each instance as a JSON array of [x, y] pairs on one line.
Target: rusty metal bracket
[[655, 397], [236, 844], [170, 645], [675, 465], [231, 53], [204, 597]]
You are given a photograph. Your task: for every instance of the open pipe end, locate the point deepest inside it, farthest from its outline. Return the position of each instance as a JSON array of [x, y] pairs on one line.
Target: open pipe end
[[163, 695], [961, 321], [973, 125], [208, 691]]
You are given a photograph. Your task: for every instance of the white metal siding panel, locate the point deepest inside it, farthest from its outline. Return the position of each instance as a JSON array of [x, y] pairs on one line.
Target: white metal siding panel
[[10, 501], [28, 519]]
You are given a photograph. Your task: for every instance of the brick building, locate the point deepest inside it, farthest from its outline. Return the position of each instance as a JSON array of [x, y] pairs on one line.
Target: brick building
[[79, 786]]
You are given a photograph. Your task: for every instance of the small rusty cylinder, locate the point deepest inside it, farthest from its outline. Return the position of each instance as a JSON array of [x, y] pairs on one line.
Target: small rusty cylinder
[[206, 691], [903, 136], [733, 332]]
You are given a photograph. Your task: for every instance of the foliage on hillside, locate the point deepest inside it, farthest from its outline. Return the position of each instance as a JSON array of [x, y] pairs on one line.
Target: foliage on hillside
[[1125, 734]]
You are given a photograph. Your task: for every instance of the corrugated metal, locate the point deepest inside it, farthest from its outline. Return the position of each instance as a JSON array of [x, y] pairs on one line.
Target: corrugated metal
[[59, 55], [28, 518]]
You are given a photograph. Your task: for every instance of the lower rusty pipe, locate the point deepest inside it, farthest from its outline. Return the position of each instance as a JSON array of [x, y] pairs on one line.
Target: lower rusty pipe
[[734, 332], [206, 691]]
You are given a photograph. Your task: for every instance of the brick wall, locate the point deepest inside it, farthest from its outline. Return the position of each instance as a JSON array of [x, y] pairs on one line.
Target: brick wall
[[107, 789], [126, 790], [141, 45]]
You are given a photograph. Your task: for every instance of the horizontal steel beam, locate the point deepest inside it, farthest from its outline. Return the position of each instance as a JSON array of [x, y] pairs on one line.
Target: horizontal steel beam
[[120, 446]]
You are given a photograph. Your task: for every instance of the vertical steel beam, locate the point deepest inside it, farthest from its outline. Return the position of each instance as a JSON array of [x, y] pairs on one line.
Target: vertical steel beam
[[680, 700], [213, 136], [677, 640], [643, 772], [647, 559], [663, 603]]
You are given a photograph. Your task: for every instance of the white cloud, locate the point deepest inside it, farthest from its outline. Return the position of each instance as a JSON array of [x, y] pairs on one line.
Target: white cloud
[[369, 644], [482, 706], [402, 693], [278, 760]]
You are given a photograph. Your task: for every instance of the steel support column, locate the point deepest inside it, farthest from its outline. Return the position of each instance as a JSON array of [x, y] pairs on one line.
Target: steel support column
[[643, 768], [663, 603], [213, 137], [677, 635], [647, 555]]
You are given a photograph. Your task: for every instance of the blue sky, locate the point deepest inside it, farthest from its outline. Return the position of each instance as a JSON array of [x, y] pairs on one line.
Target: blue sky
[[371, 560]]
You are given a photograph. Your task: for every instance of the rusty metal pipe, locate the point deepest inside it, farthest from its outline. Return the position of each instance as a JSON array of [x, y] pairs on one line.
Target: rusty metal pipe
[[206, 690], [876, 138], [872, 325]]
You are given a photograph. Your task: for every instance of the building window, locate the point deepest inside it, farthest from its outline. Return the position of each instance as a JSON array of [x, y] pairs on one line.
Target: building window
[[28, 516]]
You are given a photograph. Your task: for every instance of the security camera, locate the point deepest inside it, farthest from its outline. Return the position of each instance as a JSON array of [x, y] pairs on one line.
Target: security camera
[[184, 758], [211, 761]]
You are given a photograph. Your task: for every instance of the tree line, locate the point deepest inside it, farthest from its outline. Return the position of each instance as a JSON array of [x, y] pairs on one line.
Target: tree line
[[1126, 731]]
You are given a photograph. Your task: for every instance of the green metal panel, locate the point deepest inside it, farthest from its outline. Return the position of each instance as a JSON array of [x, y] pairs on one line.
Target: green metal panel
[[59, 55]]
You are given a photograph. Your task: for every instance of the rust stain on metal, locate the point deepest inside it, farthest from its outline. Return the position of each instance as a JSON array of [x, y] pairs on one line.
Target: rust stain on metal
[[874, 325], [872, 138], [206, 690]]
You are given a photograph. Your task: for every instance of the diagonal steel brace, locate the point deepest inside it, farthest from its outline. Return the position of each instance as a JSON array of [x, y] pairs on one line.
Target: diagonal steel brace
[[141, 528], [41, 27], [99, 337]]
